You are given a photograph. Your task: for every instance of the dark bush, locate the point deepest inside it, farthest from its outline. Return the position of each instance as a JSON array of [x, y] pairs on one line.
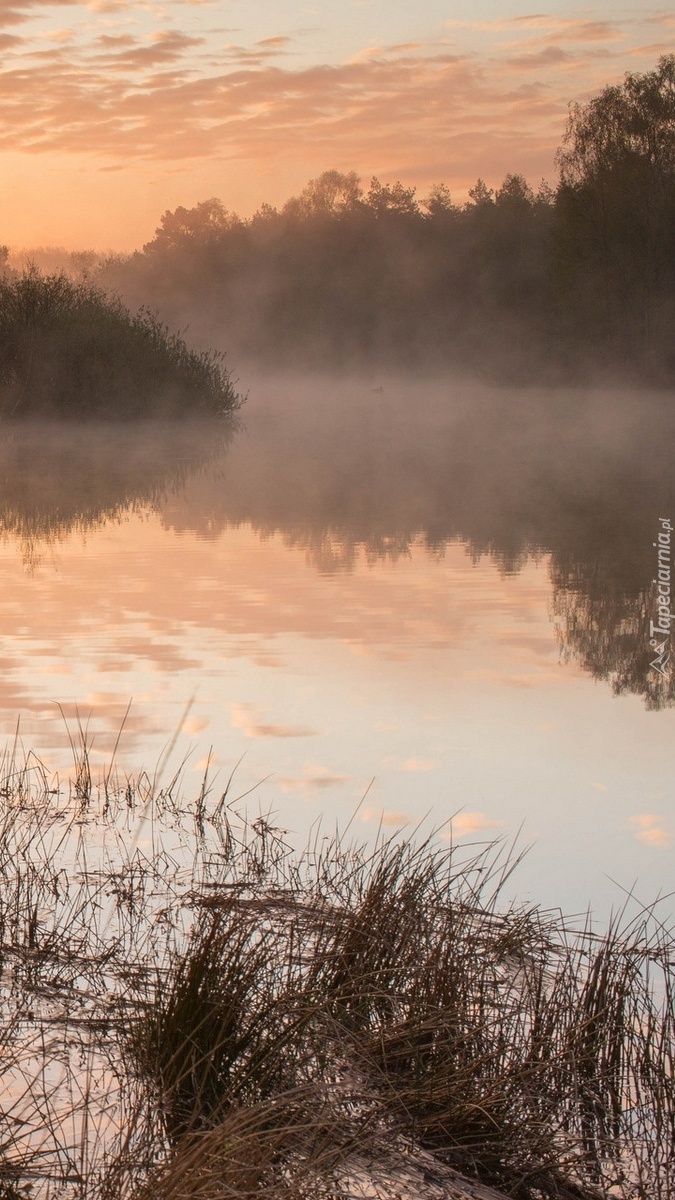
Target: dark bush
[[67, 349]]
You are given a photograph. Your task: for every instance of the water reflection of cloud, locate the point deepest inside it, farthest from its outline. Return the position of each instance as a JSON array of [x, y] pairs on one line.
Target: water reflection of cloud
[[93, 622], [195, 725], [385, 817], [539, 677], [162, 656], [312, 781], [247, 718], [267, 660], [369, 611], [649, 829], [536, 644], [469, 822], [207, 762]]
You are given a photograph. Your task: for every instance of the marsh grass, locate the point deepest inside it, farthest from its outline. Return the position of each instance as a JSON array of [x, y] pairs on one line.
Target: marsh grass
[[190, 1008], [67, 349]]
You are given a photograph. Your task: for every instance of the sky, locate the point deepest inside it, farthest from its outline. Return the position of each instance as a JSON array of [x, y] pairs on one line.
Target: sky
[[113, 111]]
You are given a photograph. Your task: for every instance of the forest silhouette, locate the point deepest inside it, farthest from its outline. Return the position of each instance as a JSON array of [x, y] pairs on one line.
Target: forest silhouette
[[518, 285]]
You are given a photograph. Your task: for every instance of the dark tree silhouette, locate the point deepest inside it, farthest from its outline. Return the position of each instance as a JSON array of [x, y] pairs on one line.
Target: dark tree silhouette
[[517, 285], [616, 217]]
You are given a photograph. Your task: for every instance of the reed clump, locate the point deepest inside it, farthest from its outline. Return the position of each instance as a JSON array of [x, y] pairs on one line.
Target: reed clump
[[206, 1012], [68, 349]]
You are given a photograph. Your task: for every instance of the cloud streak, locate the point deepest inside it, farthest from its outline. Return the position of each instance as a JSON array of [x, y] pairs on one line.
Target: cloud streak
[[172, 95]]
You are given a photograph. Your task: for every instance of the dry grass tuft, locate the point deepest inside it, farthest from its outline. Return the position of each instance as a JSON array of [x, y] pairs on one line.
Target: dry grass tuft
[[220, 1016]]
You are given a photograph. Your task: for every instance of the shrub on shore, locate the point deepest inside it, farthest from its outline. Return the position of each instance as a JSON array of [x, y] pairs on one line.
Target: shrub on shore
[[68, 349]]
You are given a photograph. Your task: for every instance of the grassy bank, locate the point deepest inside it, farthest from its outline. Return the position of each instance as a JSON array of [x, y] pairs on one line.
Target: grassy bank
[[190, 1008], [67, 349]]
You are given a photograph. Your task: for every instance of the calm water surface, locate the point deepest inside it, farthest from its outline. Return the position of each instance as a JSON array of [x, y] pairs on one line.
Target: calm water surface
[[416, 604]]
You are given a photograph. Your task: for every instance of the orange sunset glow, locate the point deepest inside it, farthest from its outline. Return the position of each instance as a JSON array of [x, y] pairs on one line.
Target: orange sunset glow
[[337, 574], [113, 112]]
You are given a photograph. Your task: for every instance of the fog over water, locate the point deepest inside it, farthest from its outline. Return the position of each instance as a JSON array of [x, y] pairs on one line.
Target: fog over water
[[442, 588]]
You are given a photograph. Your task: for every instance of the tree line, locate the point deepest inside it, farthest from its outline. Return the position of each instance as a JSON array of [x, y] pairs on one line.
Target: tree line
[[518, 284]]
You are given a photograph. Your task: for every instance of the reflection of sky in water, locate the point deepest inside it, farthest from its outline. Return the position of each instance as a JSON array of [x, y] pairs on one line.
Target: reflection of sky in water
[[438, 680]]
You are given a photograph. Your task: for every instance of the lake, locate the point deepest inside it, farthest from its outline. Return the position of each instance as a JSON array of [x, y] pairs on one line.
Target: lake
[[381, 602]]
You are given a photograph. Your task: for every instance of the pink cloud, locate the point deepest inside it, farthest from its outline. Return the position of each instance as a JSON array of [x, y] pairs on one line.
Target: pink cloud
[[582, 31], [275, 41], [14, 14], [163, 46], [394, 103], [556, 28], [551, 56], [653, 50]]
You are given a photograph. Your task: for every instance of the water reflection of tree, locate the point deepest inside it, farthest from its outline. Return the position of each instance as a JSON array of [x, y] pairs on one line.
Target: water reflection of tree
[[606, 630], [579, 481], [56, 478]]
